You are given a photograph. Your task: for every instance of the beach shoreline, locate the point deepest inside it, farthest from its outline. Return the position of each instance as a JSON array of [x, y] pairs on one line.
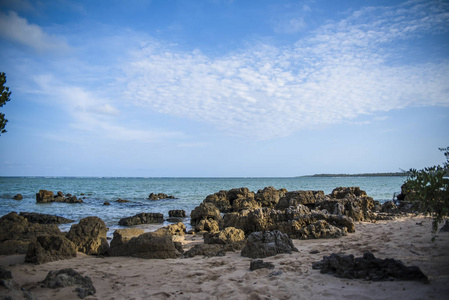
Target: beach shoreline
[[407, 239]]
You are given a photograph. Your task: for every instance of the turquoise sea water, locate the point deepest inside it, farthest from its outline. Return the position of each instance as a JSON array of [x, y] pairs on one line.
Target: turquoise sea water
[[189, 191]]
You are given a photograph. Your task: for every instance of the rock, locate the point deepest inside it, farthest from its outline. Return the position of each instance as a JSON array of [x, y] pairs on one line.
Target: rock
[[16, 233], [69, 277], [207, 250], [5, 274], [270, 243], [389, 207], [18, 197], [89, 236], [9, 289], [321, 229], [344, 192], [229, 235], [177, 213], [445, 227], [122, 236], [106, 203], [269, 196], [160, 196], [50, 248], [208, 226], [142, 218], [260, 264], [44, 218], [368, 268], [307, 198], [206, 217], [358, 208], [289, 220], [232, 200], [174, 229], [45, 196], [122, 200], [155, 245]]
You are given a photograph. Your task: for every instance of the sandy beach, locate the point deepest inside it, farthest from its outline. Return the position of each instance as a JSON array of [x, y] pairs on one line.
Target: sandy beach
[[229, 277]]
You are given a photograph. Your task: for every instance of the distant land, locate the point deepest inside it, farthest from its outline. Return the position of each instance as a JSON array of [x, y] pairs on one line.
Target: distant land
[[402, 174]]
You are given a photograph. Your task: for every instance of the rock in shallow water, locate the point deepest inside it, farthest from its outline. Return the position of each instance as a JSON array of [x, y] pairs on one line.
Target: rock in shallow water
[[142, 218], [44, 218]]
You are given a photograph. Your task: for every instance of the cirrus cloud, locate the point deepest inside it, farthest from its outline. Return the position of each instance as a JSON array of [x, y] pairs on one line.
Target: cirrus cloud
[[338, 73]]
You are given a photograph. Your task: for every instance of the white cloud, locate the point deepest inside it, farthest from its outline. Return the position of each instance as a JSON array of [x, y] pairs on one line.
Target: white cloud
[[290, 25], [95, 115], [335, 75], [18, 29]]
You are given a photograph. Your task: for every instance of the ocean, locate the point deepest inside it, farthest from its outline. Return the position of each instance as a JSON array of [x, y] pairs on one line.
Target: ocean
[[190, 192]]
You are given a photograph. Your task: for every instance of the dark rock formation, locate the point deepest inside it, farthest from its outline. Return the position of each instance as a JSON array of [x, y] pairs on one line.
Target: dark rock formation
[[174, 229], [269, 196], [260, 264], [50, 248], [69, 277], [160, 196], [270, 243], [44, 218], [142, 218], [177, 213], [207, 250], [300, 214], [18, 197], [89, 236], [16, 233], [290, 220], [122, 236], [206, 217], [148, 245], [321, 229], [9, 289], [120, 200], [232, 200], [344, 192], [229, 235], [307, 198], [445, 227], [106, 203], [389, 207], [368, 267], [45, 196], [351, 202]]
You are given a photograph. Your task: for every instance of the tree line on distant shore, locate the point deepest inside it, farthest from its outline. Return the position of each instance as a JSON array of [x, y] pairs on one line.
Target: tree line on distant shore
[[403, 174]]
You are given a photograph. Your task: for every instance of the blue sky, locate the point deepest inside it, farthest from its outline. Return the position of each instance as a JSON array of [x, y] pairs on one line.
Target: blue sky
[[222, 87]]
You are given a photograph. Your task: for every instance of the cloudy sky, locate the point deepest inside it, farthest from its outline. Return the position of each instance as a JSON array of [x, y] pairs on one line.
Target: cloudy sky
[[222, 87]]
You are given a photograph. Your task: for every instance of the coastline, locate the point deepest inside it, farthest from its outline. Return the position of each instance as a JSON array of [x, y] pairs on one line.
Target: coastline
[[229, 277]]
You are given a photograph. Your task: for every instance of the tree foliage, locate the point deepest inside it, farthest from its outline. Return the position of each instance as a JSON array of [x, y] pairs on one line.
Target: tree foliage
[[5, 94], [428, 188]]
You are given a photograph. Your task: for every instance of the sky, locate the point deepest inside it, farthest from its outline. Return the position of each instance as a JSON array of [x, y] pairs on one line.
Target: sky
[[223, 88]]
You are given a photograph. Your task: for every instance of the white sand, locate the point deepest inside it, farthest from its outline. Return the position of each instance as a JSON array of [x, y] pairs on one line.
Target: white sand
[[229, 277]]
